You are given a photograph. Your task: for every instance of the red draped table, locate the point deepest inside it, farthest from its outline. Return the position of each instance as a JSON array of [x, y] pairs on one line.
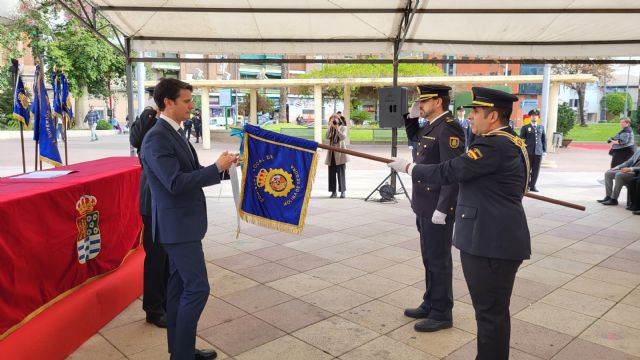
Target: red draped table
[[59, 236]]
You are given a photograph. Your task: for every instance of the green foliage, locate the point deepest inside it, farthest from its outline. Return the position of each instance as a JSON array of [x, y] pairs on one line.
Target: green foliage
[[359, 116], [593, 132], [265, 105], [371, 71], [615, 102], [635, 123], [566, 119], [103, 125], [278, 126]]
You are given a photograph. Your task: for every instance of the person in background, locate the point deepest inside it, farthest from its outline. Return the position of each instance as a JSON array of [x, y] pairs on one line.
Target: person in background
[[91, 119], [197, 124], [187, 124], [534, 136], [60, 130], [619, 176], [337, 133], [464, 122], [622, 143]]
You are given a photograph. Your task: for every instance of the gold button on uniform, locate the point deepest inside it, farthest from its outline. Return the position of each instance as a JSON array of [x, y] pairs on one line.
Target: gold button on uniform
[[462, 215]]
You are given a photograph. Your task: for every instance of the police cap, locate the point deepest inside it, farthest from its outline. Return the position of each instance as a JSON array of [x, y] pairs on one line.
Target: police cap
[[426, 92], [485, 97], [460, 108], [534, 112]]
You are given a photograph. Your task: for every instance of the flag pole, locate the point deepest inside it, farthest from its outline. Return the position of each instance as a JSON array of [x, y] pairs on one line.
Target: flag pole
[[387, 161], [64, 131], [16, 76]]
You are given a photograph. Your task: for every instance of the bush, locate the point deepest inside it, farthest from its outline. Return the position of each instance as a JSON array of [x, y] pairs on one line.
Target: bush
[[358, 116], [103, 125], [566, 119], [615, 102]]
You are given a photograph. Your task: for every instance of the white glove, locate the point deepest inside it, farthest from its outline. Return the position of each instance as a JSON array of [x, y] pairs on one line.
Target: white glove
[[438, 218], [415, 110], [544, 154], [399, 165]]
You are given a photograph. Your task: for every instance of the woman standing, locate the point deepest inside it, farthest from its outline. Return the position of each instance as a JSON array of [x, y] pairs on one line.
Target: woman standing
[[197, 124], [622, 144], [336, 133]]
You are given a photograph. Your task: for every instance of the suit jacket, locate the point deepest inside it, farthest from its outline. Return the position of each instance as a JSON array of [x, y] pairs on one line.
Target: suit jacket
[[439, 141], [490, 220], [535, 139], [633, 162], [139, 129], [176, 179]]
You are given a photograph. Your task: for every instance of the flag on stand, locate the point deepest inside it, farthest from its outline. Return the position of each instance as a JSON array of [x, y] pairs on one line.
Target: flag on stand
[[55, 85], [44, 127], [21, 103], [277, 176], [65, 99]]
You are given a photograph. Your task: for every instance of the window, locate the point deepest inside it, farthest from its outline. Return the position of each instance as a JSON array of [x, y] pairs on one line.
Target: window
[[528, 69]]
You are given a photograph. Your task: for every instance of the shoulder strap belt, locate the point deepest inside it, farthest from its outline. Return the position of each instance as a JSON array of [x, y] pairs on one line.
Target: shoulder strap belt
[[517, 141]]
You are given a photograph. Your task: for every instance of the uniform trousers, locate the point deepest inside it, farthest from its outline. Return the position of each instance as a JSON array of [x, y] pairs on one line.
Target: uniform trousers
[[534, 162], [435, 245], [337, 171], [187, 294], [156, 273], [490, 282]]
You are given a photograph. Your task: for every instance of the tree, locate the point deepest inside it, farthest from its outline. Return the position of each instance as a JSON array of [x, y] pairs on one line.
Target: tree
[[602, 72], [265, 105], [566, 119], [284, 94], [615, 102]]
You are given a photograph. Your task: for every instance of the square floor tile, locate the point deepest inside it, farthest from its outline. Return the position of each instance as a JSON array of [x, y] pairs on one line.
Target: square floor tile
[[582, 349], [402, 273], [97, 348], [226, 282], [368, 262], [299, 285], [537, 340], [544, 276], [293, 315], [632, 299], [275, 253], [385, 348], [464, 317], [217, 312], [240, 261], [531, 289], [613, 276], [626, 265], [267, 272], [601, 289], [373, 285], [624, 314], [336, 273], [440, 343], [377, 316], [219, 251], [336, 335], [335, 299], [256, 298], [614, 336], [555, 318], [629, 254], [304, 262], [395, 253], [286, 347], [130, 314], [563, 265], [578, 302], [242, 334], [407, 297], [135, 337]]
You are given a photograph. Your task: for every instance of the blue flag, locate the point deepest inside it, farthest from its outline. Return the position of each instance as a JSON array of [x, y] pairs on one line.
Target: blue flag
[[21, 103], [65, 99], [44, 129], [277, 177], [55, 85]]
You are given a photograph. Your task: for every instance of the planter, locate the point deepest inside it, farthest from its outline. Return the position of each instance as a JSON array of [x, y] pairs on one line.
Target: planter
[[566, 142]]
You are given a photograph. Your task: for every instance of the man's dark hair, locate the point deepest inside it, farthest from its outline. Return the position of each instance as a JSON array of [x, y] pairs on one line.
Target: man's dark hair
[[169, 89], [446, 100], [504, 114]]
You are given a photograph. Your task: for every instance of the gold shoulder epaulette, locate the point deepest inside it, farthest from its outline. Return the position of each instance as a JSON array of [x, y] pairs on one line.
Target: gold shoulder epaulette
[[449, 120]]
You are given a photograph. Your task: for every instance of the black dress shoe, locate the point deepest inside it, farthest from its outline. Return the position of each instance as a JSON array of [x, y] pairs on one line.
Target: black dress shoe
[[534, 189], [416, 313], [606, 198], [333, 195], [637, 212], [205, 354], [430, 325], [610, 202], [158, 320]]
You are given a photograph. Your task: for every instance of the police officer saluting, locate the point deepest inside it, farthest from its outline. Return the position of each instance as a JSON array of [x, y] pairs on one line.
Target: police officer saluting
[[533, 135], [491, 228], [434, 204]]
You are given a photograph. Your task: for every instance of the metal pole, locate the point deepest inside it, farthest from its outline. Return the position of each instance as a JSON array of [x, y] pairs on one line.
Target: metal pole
[[394, 130], [546, 82], [140, 77], [626, 90], [130, 111], [15, 74]]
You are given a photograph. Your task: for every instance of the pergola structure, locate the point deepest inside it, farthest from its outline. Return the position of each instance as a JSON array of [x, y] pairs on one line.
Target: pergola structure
[[497, 31]]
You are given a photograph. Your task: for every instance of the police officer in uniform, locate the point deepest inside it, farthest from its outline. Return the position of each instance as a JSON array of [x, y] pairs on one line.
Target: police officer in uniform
[[534, 137], [491, 227], [441, 139], [464, 122]]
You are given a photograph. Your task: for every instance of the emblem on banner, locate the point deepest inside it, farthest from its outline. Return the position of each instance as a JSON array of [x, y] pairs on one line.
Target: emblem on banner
[[276, 182], [88, 244]]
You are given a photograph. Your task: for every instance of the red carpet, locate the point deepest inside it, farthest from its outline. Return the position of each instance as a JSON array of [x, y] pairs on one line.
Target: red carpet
[[590, 146], [61, 329]]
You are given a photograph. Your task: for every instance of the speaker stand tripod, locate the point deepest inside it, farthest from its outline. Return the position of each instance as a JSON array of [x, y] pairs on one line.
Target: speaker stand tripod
[[382, 184]]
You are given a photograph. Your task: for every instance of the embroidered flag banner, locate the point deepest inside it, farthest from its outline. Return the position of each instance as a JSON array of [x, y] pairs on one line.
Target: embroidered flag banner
[[277, 176], [44, 128], [21, 103]]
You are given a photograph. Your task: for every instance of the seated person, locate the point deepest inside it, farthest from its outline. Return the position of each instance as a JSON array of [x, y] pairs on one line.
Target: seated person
[[634, 194], [623, 174]]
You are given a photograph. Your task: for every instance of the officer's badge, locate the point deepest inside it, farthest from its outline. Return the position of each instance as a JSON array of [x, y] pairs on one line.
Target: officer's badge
[[276, 182], [454, 142], [88, 244], [474, 153]]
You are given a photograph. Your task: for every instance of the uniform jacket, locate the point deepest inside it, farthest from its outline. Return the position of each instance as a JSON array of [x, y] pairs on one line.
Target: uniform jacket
[[439, 141], [176, 179], [535, 139], [490, 220], [139, 129], [341, 158]]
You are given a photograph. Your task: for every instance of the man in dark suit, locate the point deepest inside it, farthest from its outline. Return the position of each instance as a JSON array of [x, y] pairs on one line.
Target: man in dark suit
[[179, 213], [534, 137], [434, 205], [491, 226], [156, 265]]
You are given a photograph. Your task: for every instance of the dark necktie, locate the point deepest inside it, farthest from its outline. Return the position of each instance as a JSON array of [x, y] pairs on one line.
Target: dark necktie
[[184, 137]]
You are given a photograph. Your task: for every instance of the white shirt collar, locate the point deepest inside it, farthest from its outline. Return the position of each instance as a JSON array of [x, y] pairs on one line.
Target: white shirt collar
[[171, 122], [438, 117]]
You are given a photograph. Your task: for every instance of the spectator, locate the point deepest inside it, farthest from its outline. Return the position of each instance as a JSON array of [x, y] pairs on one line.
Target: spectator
[[622, 144], [116, 125], [91, 119], [197, 124], [619, 176], [336, 133], [187, 124], [60, 130]]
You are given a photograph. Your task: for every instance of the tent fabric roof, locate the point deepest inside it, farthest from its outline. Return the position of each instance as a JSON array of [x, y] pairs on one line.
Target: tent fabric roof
[[496, 28]]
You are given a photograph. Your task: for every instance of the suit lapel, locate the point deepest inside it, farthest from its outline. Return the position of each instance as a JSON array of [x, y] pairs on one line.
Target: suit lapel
[[181, 143]]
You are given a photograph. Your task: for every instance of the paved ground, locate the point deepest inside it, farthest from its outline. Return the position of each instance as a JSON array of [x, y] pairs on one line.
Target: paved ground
[[338, 290]]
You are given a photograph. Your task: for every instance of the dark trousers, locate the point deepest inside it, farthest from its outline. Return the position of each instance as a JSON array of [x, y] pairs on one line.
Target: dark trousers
[[435, 245], [633, 194], [618, 156], [188, 133], [156, 273], [337, 171], [187, 294], [534, 162], [490, 282]]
